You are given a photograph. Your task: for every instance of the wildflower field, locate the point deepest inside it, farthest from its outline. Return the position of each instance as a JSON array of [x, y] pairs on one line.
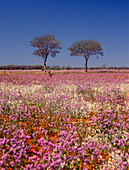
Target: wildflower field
[[73, 120]]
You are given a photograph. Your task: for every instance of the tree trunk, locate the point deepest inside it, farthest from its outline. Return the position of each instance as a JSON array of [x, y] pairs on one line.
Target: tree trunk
[[44, 60], [86, 64], [45, 67]]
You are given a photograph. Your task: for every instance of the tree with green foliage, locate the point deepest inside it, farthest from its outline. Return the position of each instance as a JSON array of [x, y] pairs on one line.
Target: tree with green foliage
[[47, 45], [86, 48]]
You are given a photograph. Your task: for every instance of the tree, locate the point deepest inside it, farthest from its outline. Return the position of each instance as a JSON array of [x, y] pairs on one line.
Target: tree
[[47, 45], [86, 48]]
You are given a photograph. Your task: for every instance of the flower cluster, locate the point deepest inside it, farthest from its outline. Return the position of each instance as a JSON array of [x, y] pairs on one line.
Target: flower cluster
[[70, 121]]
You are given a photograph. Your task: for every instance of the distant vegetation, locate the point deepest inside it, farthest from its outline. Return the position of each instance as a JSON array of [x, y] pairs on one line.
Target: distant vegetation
[[56, 67]]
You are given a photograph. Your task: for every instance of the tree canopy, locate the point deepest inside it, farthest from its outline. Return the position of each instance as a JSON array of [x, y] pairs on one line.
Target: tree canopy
[[86, 48], [47, 45]]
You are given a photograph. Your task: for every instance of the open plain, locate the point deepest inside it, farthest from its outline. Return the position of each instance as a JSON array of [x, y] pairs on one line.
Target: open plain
[[71, 120]]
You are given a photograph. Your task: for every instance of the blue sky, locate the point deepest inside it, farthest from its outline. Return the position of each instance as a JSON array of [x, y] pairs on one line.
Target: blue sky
[[106, 21]]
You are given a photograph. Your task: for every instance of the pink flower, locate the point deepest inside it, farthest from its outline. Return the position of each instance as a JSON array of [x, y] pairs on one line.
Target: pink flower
[[12, 163], [92, 157]]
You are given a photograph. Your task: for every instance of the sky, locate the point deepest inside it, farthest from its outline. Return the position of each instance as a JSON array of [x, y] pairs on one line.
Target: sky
[[106, 21]]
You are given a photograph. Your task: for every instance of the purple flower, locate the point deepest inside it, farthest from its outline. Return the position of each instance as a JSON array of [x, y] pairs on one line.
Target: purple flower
[[92, 157], [12, 163], [4, 157], [13, 127], [86, 160], [1, 163], [28, 137]]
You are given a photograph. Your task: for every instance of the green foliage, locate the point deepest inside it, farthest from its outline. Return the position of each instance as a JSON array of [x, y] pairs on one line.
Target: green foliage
[[68, 68], [47, 45], [57, 67], [86, 48], [21, 67], [42, 68]]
